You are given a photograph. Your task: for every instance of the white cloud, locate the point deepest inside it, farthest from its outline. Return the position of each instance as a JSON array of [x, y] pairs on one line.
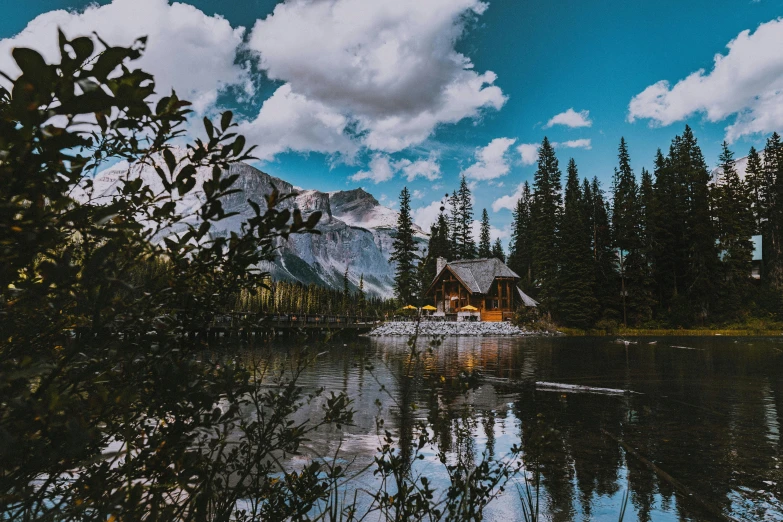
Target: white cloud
[[389, 67], [574, 144], [571, 118], [491, 161], [291, 122], [417, 194], [528, 152], [380, 170], [508, 202], [427, 215], [426, 168], [746, 82], [186, 49]]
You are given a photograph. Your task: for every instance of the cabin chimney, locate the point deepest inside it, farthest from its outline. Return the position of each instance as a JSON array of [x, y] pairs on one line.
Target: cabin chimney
[[440, 264]]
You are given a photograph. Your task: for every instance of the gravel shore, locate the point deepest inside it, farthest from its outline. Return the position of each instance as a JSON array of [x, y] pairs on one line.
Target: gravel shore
[[433, 328]]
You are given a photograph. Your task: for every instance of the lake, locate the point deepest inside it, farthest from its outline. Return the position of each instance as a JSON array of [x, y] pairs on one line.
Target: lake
[[707, 414]]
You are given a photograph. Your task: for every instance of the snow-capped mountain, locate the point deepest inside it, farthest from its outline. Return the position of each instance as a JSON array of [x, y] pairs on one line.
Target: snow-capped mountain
[[355, 230]]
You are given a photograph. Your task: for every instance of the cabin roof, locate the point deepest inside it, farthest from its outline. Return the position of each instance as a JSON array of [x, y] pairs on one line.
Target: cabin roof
[[526, 299], [478, 274]]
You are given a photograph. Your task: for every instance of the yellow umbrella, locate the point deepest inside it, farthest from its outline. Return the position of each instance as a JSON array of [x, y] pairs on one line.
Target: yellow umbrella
[[469, 309], [429, 308], [409, 307]]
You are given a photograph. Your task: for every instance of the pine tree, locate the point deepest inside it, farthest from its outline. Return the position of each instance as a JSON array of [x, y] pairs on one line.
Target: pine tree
[[439, 246], [755, 179], [624, 220], [772, 229], [606, 287], [587, 211], [626, 234], [466, 244], [346, 293], [735, 224], [646, 204], [577, 305], [700, 235], [497, 250], [670, 247], [439, 240], [643, 302], [361, 301], [520, 250], [545, 221], [404, 254], [485, 246], [454, 226]]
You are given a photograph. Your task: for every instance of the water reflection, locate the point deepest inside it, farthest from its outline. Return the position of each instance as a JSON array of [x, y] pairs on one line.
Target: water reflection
[[710, 417]]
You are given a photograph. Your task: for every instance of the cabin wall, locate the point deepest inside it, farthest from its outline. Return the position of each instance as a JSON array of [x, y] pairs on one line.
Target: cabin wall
[[449, 295]]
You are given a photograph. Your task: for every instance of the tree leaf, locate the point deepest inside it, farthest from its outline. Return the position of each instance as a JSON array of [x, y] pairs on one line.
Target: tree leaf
[[225, 120]]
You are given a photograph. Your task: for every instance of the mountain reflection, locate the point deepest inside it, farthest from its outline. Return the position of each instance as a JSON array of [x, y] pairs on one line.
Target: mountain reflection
[[709, 417]]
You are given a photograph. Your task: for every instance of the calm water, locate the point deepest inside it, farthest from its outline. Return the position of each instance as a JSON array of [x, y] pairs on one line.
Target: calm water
[[709, 416]]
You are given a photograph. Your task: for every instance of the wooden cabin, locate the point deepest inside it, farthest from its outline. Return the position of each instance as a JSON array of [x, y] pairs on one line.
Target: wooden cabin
[[487, 284]]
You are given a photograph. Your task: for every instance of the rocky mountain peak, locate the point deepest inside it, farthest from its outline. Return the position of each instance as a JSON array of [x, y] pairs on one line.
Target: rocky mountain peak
[[347, 201], [311, 200]]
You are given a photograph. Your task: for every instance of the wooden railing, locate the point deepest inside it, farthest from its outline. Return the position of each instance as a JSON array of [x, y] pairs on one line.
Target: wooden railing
[[492, 316], [240, 319]]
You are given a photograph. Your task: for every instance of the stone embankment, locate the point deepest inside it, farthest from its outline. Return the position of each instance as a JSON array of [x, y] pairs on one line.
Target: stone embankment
[[437, 328]]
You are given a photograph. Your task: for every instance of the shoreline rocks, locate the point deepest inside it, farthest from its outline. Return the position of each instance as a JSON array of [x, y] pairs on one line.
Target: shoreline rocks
[[452, 329]]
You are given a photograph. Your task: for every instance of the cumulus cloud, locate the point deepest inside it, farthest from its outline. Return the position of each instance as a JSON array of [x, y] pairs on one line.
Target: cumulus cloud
[[427, 215], [746, 82], [417, 194], [383, 168], [380, 170], [291, 122], [508, 202], [389, 67], [426, 168], [186, 50], [528, 153], [574, 144], [492, 161], [571, 118]]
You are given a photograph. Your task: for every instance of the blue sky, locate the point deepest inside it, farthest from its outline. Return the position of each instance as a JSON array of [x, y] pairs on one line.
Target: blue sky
[[347, 93]]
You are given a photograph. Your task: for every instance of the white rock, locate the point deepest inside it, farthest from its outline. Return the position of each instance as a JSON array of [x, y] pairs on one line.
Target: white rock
[[450, 329]]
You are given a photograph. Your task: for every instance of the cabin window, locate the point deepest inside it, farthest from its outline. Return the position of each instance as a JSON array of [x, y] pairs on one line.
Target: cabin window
[[494, 304]]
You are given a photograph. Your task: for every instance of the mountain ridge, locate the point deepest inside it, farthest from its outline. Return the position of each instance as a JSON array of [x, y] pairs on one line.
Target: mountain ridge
[[355, 231]]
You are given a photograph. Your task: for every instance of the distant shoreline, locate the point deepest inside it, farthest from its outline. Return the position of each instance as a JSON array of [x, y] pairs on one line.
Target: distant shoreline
[[672, 332]]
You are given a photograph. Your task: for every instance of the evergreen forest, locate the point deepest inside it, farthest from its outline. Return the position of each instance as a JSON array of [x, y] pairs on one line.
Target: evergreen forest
[[674, 247]]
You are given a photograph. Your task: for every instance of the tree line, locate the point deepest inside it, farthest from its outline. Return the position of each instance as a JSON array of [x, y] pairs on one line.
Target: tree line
[[293, 297], [672, 247]]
